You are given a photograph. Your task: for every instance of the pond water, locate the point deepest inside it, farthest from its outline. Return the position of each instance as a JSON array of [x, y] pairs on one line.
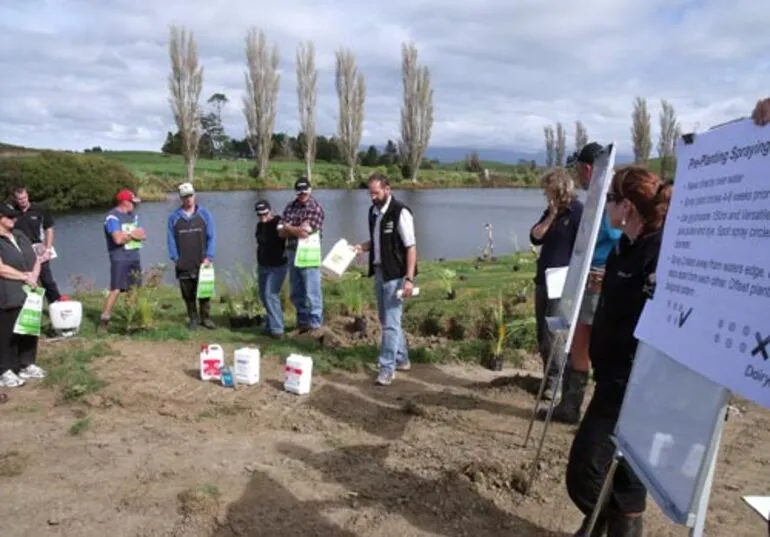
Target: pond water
[[449, 224]]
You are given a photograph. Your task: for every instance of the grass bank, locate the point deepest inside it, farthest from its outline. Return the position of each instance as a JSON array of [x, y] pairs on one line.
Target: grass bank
[[468, 310], [161, 173]]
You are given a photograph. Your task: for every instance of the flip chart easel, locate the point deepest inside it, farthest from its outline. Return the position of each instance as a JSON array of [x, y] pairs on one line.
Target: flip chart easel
[[563, 325], [668, 432], [671, 422]]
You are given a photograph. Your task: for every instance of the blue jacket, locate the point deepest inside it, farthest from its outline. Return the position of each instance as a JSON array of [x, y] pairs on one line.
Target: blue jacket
[[606, 240], [190, 239]]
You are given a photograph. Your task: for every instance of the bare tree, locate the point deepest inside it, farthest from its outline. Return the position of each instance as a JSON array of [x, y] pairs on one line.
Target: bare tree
[[641, 131], [561, 144], [185, 83], [669, 132], [259, 102], [581, 136], [416, 112], [351, 92], [550, 146], [307, 78]]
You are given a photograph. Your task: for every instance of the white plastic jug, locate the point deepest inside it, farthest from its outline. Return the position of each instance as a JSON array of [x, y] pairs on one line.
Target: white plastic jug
[[246, 368], [66, 316], [338, 259], [212, 360], [297, 374]]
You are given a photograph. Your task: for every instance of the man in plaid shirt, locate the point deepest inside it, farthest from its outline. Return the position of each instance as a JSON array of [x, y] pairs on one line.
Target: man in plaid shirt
[[301, 217]]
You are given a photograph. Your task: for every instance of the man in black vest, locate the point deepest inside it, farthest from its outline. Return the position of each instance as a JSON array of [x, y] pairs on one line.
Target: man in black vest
[[393, 262], [191, 243]]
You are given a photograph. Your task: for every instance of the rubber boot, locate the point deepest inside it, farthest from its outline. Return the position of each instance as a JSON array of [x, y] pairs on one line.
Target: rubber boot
[[192, 314], [625, 526], [205, 309], [572, 395], [600, 528]]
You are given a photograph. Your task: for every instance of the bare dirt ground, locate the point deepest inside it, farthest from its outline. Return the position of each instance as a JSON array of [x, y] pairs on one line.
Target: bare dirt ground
[[162, 454]]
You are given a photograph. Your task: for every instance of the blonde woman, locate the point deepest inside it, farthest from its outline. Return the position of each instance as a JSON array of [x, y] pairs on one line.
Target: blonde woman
[[555, 233]]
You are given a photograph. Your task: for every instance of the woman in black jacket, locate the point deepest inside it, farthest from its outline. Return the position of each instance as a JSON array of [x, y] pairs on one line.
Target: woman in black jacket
[[19, 266], [555, 233], [637, 203]]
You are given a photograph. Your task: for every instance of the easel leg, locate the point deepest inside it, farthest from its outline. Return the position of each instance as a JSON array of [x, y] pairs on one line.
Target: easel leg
[[556, 347], [601, 501]]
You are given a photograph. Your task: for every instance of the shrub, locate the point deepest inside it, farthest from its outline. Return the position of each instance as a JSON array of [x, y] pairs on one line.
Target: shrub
[[65, 181]]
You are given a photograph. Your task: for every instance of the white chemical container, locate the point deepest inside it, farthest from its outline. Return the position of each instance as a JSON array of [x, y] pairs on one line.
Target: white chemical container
[[338, 259], [66, 316], [297, 374], [246, 369], [212, 359]]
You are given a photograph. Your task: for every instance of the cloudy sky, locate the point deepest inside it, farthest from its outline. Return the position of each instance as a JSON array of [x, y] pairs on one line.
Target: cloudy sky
[[79, 73]]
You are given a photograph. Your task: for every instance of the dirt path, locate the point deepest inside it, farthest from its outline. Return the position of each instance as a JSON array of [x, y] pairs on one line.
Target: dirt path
[[162, 454]]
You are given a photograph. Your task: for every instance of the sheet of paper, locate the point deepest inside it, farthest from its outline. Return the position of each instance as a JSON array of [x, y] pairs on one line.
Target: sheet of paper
[[712, 295], [554, 281], [39, 249], [761, 504]]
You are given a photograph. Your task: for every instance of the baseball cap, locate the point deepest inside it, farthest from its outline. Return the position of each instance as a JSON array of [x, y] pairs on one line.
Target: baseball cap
[[127, 195], [186, 189], [589, 152], [9, 211], [262, 207], [302, 185]]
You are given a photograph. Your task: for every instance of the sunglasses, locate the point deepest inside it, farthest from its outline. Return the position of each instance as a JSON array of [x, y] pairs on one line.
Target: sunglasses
[[613, 198]]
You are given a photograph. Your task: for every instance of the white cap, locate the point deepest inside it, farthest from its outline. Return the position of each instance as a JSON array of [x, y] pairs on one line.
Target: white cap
[[186, 189]]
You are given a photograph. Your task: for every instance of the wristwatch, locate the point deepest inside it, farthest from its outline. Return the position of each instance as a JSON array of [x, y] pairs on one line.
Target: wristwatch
[[409, 279]]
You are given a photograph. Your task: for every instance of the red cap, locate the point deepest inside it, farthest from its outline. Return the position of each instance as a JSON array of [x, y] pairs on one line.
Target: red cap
[[127, 195]]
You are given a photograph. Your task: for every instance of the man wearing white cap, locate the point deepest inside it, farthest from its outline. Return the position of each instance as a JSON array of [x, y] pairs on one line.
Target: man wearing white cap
[[191, 242]]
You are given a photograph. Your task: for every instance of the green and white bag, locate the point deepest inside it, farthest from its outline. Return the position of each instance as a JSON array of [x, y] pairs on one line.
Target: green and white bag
[[206, 282], [30, 318], [308, 252]]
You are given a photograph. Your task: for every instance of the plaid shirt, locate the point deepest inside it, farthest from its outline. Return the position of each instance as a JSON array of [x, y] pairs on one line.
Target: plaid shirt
[[295, 214]]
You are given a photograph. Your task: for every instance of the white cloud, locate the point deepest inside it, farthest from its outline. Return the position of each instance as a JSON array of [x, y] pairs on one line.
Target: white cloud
[[79, 73]]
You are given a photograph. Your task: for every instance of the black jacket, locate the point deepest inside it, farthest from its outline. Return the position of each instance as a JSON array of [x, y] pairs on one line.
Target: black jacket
[[628, 282]]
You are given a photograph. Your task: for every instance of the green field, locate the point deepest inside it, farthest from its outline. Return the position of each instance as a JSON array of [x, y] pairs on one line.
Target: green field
[[158, 171]]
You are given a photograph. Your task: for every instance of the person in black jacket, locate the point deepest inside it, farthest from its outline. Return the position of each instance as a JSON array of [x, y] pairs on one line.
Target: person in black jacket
[[272, 266], [19, 266], [555, 233], [637, 203]]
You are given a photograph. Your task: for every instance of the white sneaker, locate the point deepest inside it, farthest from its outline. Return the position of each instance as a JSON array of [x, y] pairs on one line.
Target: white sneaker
[[33, 372], [9, 379]]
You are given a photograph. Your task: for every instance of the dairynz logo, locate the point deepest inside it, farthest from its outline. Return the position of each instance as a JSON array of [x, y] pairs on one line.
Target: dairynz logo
[[678, 313]]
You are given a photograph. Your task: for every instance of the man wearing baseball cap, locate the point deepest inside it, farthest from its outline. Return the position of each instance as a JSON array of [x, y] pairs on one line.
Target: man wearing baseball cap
[[191, 240], [271, 266], [124, 237], [302, 217], [575, 377]]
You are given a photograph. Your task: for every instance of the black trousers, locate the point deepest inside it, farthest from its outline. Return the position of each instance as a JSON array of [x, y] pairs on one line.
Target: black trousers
[[49, 284], [189, 288], [16, 352], [545, 307], [592, 453]]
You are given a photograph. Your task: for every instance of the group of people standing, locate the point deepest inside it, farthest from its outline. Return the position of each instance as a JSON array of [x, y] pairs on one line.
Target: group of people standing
[[621, 280], [392, 255]]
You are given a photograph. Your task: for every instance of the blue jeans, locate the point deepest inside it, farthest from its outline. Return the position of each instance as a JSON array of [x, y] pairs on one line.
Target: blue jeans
[[306, 294], [390, 308], [270, 283]]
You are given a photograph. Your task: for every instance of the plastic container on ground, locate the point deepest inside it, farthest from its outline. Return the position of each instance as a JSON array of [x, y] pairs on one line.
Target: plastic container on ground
[[246, 365], [298, 374], [338, 259], [212, 359], [66, 316]]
